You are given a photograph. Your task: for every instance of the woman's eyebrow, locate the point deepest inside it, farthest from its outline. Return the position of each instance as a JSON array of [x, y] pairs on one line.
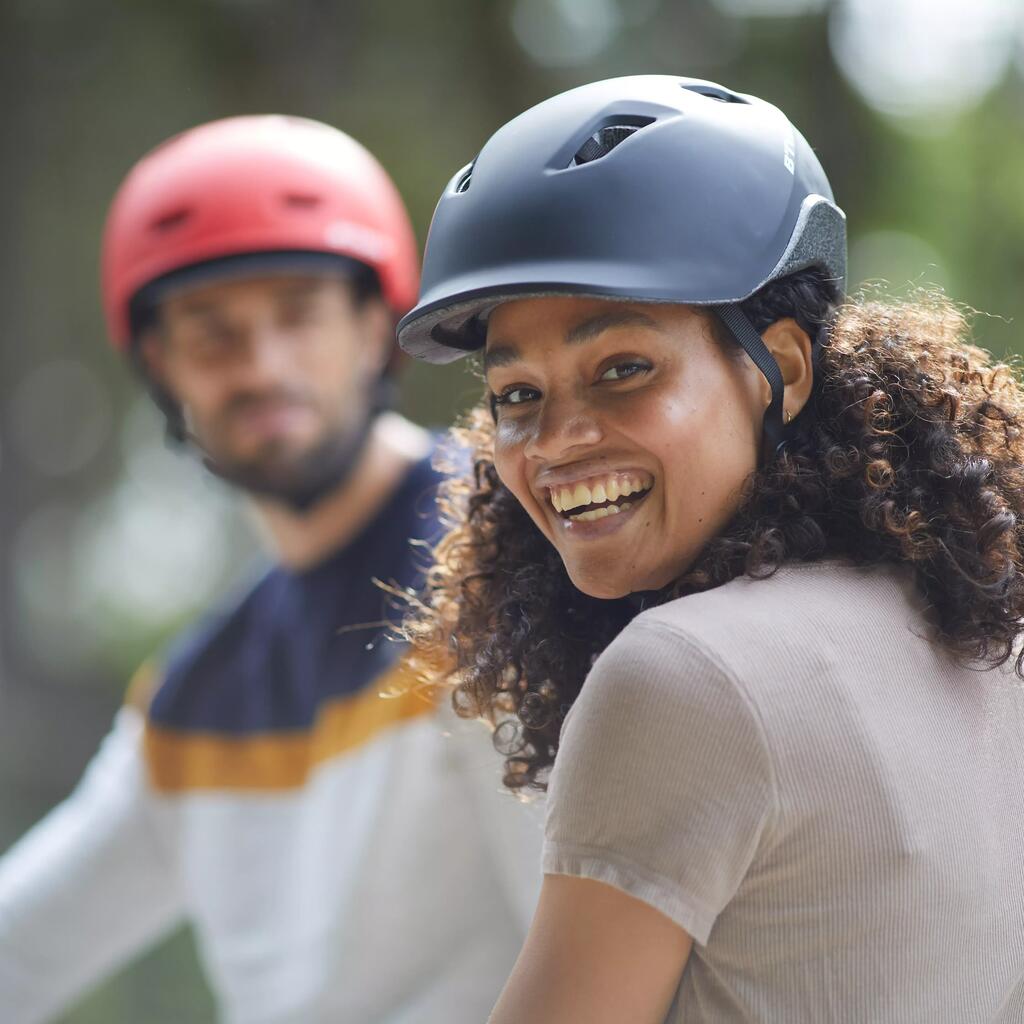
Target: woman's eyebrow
[[503, 353], [595, 325]]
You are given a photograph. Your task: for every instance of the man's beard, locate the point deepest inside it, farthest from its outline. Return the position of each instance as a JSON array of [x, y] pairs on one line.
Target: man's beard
[[303, 480]]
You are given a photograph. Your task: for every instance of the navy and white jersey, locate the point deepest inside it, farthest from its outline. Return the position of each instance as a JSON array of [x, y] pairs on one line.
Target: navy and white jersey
[[338, 839], [291, 674]]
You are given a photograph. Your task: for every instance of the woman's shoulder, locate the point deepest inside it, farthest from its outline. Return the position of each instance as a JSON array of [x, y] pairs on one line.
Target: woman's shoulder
[[799, 606], [736, 661], [777, 640], [662, 688]]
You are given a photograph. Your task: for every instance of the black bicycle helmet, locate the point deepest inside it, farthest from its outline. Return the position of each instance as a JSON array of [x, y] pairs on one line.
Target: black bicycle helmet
[[651, 188]]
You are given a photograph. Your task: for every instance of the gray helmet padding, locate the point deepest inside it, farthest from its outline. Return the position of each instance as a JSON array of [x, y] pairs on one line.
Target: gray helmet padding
[[711, 197]]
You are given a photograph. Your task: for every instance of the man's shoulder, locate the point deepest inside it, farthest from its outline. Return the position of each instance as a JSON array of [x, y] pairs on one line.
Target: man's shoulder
[[417, 491], [204, 657], [255, 698]]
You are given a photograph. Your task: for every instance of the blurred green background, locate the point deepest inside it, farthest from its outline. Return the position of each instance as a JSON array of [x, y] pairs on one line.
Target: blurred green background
[[108, 542]]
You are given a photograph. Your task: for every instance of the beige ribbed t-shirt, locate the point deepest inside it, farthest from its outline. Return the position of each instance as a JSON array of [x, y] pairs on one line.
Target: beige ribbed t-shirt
[[821, 797]]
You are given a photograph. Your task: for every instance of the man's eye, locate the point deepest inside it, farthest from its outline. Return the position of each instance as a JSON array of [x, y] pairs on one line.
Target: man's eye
[[515, 396], [623, 370], [209, 343]]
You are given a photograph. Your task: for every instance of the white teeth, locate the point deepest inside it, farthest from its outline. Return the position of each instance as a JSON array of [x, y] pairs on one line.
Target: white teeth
[[581, 496], [595, 513], [566, 498]]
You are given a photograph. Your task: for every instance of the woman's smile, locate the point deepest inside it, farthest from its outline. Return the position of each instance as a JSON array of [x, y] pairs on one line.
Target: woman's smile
[[597, 506], [606, 494], [601, 521]]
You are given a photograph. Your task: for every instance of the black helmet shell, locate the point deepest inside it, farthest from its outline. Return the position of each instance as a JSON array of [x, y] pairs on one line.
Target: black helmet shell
[[652, 188]]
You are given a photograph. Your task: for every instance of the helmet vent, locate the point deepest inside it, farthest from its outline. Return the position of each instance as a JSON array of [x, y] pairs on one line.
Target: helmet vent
[[604, 140], [713, 92], [172, 220], [462, 185], [303, 201]]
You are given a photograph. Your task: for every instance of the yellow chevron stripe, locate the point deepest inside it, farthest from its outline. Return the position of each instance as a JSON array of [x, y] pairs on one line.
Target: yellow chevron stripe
[[181, 761], [142, 687]]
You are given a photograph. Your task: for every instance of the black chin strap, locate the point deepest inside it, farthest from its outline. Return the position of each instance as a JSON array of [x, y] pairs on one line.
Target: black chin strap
[[740, 327], [638, 600]]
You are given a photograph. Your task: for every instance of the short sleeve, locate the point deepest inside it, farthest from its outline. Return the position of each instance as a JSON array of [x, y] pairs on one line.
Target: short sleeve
[[662, 786]]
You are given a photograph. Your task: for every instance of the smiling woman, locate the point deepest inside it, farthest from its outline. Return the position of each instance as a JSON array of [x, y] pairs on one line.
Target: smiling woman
[[730, 558]]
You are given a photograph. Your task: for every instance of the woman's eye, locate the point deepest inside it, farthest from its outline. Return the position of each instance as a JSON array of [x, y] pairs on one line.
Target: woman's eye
[[514, 396], [620, 371]]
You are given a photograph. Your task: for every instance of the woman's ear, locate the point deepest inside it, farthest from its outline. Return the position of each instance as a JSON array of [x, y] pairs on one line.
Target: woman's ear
[[789, 343]]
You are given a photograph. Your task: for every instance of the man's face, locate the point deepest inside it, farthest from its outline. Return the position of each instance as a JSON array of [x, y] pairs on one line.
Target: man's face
[[275, 374]]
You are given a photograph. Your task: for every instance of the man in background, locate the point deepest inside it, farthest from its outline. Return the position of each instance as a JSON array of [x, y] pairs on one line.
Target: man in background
[[256, 783]]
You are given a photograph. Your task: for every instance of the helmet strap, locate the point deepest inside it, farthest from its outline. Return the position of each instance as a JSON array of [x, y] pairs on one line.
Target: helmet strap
[[748, 337]]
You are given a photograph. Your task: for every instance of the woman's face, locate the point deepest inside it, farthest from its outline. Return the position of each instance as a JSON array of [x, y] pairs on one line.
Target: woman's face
[[625, 430]]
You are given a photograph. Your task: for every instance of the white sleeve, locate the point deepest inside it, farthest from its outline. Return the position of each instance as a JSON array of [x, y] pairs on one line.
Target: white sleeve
[[87, 887], [512, 830]]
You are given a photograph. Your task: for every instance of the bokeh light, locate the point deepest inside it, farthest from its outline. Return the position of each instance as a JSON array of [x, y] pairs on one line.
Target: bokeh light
[[924, 61], [771, 8], [564, 33]]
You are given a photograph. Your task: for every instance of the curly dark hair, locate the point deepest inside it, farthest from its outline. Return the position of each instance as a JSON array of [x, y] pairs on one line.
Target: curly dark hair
[[910, 450]]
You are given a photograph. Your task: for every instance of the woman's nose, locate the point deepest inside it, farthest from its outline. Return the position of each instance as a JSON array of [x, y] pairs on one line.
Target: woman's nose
[[563, 424]]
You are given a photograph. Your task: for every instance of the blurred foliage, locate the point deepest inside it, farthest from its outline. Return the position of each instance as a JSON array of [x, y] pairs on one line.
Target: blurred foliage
[[164, 985], [89, 86]]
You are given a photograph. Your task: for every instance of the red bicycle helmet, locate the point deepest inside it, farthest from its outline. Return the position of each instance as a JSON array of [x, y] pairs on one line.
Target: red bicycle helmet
[[249, 185]]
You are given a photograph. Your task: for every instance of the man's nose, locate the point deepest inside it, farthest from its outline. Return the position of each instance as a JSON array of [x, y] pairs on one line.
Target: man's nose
[[265, 354]]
